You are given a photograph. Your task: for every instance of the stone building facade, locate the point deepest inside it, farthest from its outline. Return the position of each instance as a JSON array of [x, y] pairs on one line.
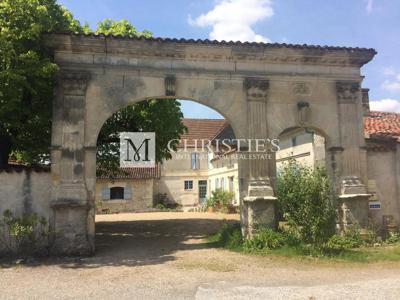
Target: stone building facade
[[130, 190]]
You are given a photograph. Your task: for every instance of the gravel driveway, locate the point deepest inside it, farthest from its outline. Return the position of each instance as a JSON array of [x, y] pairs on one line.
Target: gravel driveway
[[164, 256]]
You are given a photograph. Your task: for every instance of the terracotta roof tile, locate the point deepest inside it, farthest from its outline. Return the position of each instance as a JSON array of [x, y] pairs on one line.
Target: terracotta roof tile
[[16, 166], [206, 129], [383, 124], [135, 173]]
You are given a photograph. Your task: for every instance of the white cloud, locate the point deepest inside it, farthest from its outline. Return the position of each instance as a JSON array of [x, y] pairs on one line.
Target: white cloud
[[390, 105], [389, 71], [392, 86], [370, 6], [232, 20]]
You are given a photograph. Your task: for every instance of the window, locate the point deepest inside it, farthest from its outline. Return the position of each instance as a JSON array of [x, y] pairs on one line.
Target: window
[[116, 193], [231, 187], [223, 183], [195, 161], [188, 185]]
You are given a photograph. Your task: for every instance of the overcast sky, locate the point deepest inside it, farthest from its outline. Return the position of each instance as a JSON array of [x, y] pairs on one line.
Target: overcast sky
[[357, 23]]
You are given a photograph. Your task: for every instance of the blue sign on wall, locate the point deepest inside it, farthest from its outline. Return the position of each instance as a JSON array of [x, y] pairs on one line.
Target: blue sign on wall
[[375, 205]]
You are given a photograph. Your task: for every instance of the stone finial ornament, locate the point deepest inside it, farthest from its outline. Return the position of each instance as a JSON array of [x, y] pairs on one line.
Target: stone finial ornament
[[348, 91], [256, 89]]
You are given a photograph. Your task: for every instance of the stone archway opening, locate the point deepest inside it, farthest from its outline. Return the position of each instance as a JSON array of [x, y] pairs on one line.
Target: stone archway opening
[[260, 88], [306, 145], [173, 194]]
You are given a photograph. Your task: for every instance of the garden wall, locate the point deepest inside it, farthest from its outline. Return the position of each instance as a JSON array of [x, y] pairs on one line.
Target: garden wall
[[25, 191]]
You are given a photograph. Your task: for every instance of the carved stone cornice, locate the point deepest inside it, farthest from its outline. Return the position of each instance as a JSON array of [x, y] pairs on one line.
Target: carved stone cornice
[[170, 82], [74, 83], [87, 45], [256, 89], [348, 91]]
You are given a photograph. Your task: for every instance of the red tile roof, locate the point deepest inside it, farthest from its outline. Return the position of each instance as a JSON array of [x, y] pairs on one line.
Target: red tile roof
[[199, 129], [17, 166], [135, 173], [385, 124]]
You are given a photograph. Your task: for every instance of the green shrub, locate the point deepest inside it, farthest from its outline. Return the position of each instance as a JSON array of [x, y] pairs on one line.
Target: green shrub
[[265, 238], [393, 238], [220, 199], [342, 242], [160, 206], [211, 202], [292, 239], [369, 237], [306, 202], [230, 236], [25, 235]]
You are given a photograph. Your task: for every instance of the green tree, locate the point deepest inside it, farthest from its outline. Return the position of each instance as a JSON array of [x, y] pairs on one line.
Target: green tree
[[120, 28], [27, 75], [162, 116], [27, 82], [307, 202]]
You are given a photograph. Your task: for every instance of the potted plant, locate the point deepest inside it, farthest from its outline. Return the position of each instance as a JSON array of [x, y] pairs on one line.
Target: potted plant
[[210, 204]]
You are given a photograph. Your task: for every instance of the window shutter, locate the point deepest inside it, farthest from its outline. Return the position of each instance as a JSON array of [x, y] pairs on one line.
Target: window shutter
[[127, 193], [105, 194]]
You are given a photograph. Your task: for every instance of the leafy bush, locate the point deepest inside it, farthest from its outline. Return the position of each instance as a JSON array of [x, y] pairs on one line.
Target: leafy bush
[[230, 236], [393, 238], [265, 238], [221, 199], [307, 202], [162, 202], [25, 235], [342, 242], [160, 206]]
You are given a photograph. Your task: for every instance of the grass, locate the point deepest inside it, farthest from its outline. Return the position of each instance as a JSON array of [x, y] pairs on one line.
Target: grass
[[227, 238]]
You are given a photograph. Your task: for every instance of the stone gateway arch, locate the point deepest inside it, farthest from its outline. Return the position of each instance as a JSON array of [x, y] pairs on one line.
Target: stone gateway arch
[[261, 89]]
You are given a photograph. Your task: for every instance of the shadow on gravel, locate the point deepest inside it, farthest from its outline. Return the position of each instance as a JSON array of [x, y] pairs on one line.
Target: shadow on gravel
[[138, 243]]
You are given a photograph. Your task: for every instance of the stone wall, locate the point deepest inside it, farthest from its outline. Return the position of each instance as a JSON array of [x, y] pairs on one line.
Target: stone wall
[[140, 198], [25, 192], [384, 175]]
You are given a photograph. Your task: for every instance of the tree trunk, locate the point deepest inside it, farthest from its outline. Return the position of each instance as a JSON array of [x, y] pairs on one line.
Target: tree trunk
[[5, 150]]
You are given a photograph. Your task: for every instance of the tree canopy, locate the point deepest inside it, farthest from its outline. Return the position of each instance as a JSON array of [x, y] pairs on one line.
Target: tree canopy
[[162, 116], [120, 28], [27, 81], [27, 75]]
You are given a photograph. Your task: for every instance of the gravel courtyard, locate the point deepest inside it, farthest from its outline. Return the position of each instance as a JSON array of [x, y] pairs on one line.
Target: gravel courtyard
[[165, 256]]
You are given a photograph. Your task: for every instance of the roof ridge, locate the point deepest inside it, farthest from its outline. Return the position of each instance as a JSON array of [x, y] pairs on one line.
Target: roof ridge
[[223, 42], [223, 127], [384, 112], [203, 119]]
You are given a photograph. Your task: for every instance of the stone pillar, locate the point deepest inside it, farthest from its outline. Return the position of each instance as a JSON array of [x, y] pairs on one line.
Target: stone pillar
[[353, 199], [258, 207], [69, 194]]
